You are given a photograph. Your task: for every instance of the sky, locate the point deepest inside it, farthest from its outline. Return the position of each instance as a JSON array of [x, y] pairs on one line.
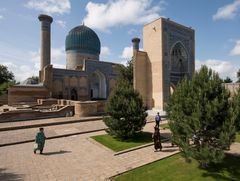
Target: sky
[[216, 24]]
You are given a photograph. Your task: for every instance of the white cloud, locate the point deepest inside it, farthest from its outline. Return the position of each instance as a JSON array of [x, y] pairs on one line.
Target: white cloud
[[1, 17], [121, 12], [105, 51], [58, 57], [61, 23], [236, 49], [21, 72], [224, 68], [127, 53], [50, 6], [228, 11], [132, 31]]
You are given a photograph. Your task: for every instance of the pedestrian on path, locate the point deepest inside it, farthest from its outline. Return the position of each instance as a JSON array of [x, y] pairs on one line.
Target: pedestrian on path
[[157, 119], [40, 141], [157, 139]]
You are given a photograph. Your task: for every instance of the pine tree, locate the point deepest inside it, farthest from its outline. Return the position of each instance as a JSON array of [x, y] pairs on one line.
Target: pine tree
[[236, 103], [126, 114], [202, 118]]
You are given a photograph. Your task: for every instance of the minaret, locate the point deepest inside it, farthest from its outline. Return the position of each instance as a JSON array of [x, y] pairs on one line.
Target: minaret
[[45, 53], [136, 42]]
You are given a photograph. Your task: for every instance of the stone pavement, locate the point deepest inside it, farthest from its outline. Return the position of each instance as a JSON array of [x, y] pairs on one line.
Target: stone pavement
[[46, 122], [13, 136], [74, 158], [77, 158]]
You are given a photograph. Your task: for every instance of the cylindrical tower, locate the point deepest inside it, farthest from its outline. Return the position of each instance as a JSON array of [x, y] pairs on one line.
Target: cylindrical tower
[[45, 40], [136, 42]]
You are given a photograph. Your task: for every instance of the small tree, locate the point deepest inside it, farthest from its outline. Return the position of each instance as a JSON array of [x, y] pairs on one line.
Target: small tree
[[126, 113], [227, 80], [202, 118], [5, 74]]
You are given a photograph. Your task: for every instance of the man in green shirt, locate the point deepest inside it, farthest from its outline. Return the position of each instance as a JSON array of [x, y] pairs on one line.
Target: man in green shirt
[[40, 141]]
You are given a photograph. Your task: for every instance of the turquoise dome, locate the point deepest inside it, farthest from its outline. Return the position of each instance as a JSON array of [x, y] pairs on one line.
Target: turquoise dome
[[84, 40]]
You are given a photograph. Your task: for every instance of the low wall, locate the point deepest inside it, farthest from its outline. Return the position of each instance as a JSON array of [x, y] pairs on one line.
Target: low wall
[[23, 94], [89, 108], [3, 99], [47, 102], [19, 115]]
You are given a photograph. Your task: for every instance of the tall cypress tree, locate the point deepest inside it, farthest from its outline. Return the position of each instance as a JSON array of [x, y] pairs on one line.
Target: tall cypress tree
[[126, 113], [201, 117]]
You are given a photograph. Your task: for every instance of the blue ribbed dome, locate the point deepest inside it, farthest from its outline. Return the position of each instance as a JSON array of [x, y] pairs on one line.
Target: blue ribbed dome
[[84, 40]]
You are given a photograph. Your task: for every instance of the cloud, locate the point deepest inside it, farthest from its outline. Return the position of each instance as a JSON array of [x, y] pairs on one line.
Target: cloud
[[228, 11], [236, 49], [132, 31], [61, 23], [50, 6], [1, 17], [58, 57], [121, 12], [224, 68], [21, 72], [127, 53], [105, 51]]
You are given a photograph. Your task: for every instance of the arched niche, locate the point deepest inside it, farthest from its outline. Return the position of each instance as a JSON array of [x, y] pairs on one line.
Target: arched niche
[[178, 63], [98, 87]]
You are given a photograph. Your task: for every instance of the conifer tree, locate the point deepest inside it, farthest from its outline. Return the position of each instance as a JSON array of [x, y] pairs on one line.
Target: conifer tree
[[236, 103], [126, 114], [202, 118]]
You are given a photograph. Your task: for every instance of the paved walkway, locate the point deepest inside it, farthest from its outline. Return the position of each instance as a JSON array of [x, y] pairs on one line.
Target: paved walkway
[[51, 131], [74, 158], [60, 120]]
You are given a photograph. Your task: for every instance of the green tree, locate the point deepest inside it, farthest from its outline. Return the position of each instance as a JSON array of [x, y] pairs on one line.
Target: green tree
[[238, 76], [227, 80], [236, 103], [202, 117], [126, 73], [34, 78], [5, 74], [126, 113]]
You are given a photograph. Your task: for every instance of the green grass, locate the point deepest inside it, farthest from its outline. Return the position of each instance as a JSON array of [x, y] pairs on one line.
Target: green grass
[[118, 145], [175, 168], [238, 137], [165, 126]]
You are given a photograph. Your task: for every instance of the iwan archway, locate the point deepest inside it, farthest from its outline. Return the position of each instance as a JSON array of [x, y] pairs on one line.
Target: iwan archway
[[98, 86]]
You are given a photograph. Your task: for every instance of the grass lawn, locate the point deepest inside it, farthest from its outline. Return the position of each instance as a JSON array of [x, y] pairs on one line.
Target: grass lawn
[[118, 145], [175, 168], [164, 126], [238, 137]]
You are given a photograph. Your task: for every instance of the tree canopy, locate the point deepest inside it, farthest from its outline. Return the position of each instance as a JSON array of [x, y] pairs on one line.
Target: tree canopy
[[5, 74], [126, 113], [202, 117]]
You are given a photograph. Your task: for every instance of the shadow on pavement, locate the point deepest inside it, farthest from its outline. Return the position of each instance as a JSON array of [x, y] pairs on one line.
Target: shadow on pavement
[[56, 153], [7, 176], [168, 150]]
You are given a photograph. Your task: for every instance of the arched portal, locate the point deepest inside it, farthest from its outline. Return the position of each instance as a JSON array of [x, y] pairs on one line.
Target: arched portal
[[179, 63], [98, 85], [74, 94]]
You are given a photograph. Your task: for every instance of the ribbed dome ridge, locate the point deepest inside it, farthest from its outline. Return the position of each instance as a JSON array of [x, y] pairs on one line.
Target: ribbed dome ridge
[[83, 39]]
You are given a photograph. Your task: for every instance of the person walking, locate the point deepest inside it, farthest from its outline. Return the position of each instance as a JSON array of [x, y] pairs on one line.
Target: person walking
[[157, 119], [40, 140], [157, 139]]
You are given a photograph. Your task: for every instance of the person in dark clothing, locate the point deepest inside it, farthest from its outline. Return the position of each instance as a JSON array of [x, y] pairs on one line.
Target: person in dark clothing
[[40, 140], [157, 119], [157, 139]]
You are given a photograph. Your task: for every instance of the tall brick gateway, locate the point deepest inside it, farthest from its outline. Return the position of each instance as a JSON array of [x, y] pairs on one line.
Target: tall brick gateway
[[168, 56]]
